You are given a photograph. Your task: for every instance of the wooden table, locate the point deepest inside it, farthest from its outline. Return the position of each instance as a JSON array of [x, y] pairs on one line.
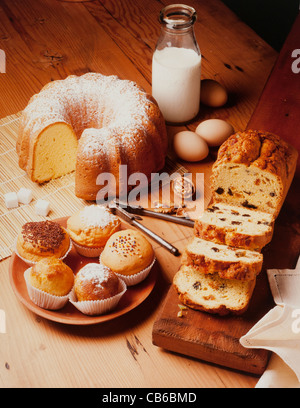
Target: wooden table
[[50, 39]]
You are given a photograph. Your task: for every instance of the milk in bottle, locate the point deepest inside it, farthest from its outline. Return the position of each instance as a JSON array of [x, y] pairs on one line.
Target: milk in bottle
[[176, 65], [176, 76]]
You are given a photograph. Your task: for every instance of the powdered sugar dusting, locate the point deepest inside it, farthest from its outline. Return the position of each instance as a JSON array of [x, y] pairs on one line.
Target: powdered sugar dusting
[[97, 216], [103, 106], [95, 273]]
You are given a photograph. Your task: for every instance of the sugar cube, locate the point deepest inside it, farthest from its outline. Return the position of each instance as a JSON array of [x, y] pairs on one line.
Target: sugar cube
[[24, 195], [11, 200], [42, 207]]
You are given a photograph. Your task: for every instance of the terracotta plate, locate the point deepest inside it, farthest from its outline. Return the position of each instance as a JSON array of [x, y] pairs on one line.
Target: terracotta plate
[[133, 297]]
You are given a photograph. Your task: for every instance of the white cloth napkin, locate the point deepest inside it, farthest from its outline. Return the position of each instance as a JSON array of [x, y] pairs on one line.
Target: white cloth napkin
[[279, 331]]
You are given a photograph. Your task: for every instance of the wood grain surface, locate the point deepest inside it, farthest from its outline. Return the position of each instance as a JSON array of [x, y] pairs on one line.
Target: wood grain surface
[[193, 333], [48, 40], [278, 110]]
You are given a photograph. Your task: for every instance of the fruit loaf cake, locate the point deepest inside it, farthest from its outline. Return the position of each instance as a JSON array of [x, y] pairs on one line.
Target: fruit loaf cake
[[229, 262], [211, 293], [235, 226], [254, 170]]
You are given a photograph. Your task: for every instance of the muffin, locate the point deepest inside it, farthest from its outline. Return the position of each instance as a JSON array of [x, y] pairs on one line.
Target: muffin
[[43, 239], [49, 283], [96, 290], [129, 254], [90, 228], [95, 282], [53, 276]]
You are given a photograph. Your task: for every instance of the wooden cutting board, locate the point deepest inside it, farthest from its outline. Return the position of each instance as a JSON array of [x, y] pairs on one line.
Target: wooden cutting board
[[216, 339]]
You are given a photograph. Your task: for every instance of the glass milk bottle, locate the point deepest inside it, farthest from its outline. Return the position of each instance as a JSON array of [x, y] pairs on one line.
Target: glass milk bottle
[[176, 65]]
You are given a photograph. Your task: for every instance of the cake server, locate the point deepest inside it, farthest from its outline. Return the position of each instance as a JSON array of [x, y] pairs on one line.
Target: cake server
[[131, 219], [139, 210]]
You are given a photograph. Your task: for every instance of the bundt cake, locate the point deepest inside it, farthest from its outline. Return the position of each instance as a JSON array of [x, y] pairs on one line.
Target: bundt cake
[[91, 124]]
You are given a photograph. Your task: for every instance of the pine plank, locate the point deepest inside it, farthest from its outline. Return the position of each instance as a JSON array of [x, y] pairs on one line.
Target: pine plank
[[48, 40], [278, 112], [45, 50], [136, 32], [216, 339]]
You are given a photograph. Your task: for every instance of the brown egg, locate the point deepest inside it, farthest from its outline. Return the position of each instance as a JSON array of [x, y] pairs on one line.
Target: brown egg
[[212, 93], [189, 146], [214, 131]]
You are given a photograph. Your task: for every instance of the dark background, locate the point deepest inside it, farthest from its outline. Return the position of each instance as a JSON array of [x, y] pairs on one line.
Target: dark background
[[270, 19]]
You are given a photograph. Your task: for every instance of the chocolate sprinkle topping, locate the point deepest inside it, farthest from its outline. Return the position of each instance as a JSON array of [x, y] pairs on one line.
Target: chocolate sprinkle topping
[[47, 234]]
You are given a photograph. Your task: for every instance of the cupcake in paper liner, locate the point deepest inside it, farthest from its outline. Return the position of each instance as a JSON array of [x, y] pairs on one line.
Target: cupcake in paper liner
[[90, 228], [49, 283], [136, 278], [130, 255], [42, 239], [97, 290], [32, 263], [87, 251]]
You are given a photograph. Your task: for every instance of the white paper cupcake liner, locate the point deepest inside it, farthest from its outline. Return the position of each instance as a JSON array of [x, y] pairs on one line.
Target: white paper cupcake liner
[[43, 299], [88, 252], [131, 280], [98, 307], [31, 263]]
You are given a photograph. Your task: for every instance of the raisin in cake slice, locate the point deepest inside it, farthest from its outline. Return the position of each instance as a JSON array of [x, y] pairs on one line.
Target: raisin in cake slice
[[254, 170], [229, 262], [235, 226], [211, 293]]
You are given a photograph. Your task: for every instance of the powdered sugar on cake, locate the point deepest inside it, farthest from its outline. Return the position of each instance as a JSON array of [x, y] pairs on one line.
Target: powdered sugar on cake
[[96, 216], [96, 273], [113, 106], [114, 120]]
